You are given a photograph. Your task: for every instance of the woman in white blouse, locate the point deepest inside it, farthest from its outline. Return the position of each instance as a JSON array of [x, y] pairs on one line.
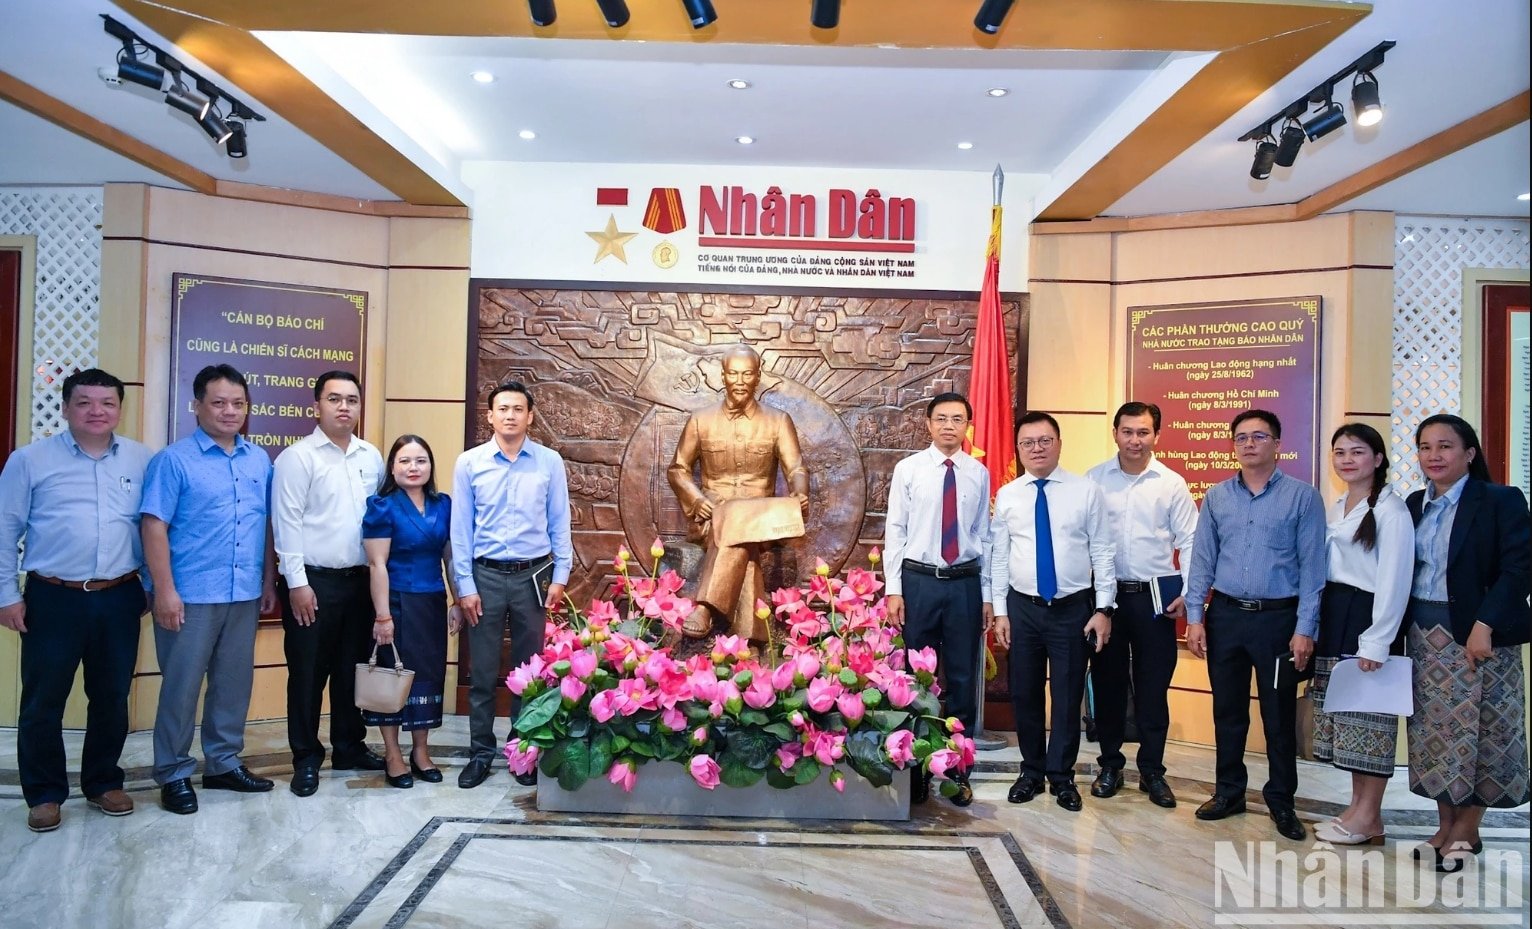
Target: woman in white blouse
[[1371, 559]]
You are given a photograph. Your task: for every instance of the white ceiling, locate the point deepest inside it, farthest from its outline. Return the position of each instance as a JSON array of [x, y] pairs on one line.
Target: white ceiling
[[824, 105]]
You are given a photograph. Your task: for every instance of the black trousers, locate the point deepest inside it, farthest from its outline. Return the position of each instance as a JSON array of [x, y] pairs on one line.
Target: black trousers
[[516, 598], [65, 628], [948, 616], [1240, 643], [327, 651], [1141, 649], [1048, 643]]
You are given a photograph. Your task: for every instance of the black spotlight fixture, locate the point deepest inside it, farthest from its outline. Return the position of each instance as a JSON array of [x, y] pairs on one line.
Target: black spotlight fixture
[[1365, 104], [1329, 116], [542, 11], [145, 73], [700, 12], [991, 14], [215, 127], [825, 14], [1288, 144], [615, 12], [189, 102], [1265, 157], [235, 144]]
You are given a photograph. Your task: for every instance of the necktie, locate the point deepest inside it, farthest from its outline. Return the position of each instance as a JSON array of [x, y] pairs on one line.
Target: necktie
[[1047, 578], [949, 515]]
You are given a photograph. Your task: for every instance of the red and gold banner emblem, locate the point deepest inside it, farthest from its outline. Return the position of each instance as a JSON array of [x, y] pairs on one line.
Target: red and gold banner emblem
[[664, 214]]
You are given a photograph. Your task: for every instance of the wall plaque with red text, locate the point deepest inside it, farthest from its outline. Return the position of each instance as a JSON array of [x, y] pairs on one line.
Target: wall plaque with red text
[[1203, 363], [280, 336]]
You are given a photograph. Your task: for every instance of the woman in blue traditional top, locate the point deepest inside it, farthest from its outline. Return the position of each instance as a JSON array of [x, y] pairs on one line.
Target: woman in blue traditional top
[[405, 533]]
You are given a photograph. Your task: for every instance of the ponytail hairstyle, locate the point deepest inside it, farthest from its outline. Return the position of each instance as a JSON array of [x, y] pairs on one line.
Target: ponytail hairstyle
[[1367, 530], [1478, 465]]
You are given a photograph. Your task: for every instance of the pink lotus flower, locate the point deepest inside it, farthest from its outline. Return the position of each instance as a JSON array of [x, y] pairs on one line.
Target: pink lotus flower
[[673, 719], [864, 583], [942, 760], [901, 693], [788, 755], [850, 706], [897, 745], [964, 746], [838, 781], [603, 706], [518, 679], [699, 735], [623, 774], [787, 600], [782, 676], [954, 725], [760, 694], [826, 747], [521, 758], [922, 659], [822, 694], [704, 771], [572, 688], [806, 665], [602, 613], [730, 646]]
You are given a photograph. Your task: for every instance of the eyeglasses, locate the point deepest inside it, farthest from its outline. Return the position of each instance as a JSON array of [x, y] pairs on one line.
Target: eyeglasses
[[1252, 438], [342, 400], [1041, 444]]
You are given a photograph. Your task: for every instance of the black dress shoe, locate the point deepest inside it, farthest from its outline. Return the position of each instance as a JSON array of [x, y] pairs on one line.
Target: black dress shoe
[[402, 781], [1159, 792], [1067, 796], [368, 760], [1025, 788], [964, 795], [241, 779], [920, 785], [527, 780], [178, 796], [474, 772], [1220, 807], [1288, 824], [305, 780], [429, 775], [1107, 783]]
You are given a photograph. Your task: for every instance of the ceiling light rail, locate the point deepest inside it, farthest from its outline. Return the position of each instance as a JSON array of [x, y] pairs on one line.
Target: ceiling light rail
[[146, 64], [1328, 117]]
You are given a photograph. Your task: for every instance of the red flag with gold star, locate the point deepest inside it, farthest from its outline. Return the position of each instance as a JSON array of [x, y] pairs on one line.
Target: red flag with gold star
[[992, 437]]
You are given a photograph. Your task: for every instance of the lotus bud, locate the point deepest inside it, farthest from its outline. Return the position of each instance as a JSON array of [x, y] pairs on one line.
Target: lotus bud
[[656, 548], [874, 556], [762, 611], [820, 568]]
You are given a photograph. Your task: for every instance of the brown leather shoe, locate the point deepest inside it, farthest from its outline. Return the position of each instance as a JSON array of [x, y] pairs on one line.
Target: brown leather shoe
[[45, 817], [112, 803]]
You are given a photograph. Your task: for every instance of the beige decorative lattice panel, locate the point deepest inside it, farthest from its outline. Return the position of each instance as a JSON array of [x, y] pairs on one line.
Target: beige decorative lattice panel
[[65, 329], [1430, 253]]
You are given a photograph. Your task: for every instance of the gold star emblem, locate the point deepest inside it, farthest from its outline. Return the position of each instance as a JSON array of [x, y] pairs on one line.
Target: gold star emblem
[[611, 241]]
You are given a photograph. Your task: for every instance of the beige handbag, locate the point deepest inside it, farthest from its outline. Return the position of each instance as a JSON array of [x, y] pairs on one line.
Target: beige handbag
[[383, 690]]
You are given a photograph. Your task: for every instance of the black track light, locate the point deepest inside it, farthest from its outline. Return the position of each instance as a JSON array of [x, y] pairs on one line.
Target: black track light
[[130, 68], [1328, 115], [1265, 157], [615, 12], [824, 14], [700, 12], [991, 14], [215, 127], [235, 144], [1365, 104], [192, 104], [1290, 142], [543, 12]]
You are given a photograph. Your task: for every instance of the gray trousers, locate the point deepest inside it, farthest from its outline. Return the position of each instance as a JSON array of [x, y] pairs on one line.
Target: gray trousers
[[518, 598], [216, 642]]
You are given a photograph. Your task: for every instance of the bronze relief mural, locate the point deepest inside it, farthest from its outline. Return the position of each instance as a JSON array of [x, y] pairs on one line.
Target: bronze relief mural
[[616, 374]]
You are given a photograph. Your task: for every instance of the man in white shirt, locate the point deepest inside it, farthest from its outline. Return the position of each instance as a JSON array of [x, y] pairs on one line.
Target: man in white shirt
[[1152, 516], [1050, 559], [934, 538], [319, 494]]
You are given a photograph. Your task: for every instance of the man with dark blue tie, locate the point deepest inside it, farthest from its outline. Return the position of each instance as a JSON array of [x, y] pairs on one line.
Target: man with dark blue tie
[[1052, 572]]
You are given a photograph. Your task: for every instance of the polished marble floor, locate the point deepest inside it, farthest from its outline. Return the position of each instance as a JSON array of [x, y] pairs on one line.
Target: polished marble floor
[[360, 854]]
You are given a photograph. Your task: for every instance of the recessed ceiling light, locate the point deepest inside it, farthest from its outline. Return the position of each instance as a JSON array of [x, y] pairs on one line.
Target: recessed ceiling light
[[738, 84], [965, 146], [1524, 197], [745, 140], [527, 134], [483, 77], [997, 91]]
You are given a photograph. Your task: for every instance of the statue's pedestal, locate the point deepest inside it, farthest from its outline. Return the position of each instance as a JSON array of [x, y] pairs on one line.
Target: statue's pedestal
[[665, 788]]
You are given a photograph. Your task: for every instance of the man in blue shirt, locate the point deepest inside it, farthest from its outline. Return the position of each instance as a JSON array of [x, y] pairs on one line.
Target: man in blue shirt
[[1260, 552], [74, 498], [511, 554], [205, 543]]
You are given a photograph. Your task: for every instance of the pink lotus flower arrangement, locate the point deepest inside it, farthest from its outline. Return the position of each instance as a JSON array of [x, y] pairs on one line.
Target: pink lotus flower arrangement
[[604, 697]]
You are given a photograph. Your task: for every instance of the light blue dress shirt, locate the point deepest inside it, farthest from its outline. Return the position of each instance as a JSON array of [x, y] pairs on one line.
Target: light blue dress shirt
[[509, 510], [1432, 537], [1263, 546], [215, 505], [79, 514]]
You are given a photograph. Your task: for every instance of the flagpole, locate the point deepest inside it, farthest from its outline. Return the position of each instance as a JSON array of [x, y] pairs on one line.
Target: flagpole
[[982, 740]]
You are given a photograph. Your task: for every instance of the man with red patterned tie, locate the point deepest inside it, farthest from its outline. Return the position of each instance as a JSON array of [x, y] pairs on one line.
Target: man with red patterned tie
[[934, 540]]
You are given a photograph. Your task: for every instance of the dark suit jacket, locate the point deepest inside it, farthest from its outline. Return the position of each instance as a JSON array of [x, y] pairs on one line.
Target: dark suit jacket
[[1489, 562]]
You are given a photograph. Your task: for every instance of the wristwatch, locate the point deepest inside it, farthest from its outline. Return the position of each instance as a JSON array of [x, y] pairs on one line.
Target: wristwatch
[[1107, 611]]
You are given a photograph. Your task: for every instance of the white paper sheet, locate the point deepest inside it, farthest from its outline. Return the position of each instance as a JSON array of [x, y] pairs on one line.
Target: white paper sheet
[[1386, 690]]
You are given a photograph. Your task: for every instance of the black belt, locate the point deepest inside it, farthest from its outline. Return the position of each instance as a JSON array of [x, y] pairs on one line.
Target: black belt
[[944, 572], [89, 586], [512, 567], [1132, 587], [1256, 606], [1067, 600], [354, 571]]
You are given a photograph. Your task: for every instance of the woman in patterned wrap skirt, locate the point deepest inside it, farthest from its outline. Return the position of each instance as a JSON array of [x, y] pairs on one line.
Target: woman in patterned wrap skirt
[[1468, 617]]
